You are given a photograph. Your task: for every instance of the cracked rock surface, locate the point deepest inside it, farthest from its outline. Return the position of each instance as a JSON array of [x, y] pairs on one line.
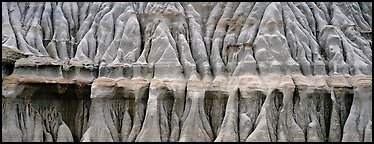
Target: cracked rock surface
[[187, 72]]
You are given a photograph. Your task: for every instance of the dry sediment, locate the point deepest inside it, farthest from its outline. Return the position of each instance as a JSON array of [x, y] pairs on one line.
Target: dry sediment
[[175, 71]]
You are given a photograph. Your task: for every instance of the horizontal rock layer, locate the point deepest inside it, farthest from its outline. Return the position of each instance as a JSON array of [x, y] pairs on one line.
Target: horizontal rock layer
[[170, 71]]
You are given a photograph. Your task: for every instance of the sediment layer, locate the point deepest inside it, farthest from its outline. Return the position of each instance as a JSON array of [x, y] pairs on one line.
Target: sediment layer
[[175, 71]]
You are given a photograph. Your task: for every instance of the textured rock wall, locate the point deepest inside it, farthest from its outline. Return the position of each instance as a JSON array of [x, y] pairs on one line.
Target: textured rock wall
[[170, 71]]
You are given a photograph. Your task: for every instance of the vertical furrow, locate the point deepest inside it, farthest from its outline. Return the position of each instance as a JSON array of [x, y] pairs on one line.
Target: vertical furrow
[[197, 45], [8, 35], [61, 32], [229, 128], [218, 67], [15, 21], [235, 25], [211, 25]]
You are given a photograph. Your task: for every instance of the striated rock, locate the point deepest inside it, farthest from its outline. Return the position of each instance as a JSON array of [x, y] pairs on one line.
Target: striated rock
[[187, 72], [9, 56]]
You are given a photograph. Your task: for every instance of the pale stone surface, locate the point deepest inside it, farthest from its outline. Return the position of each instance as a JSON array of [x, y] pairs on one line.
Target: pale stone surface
[[191, 72]]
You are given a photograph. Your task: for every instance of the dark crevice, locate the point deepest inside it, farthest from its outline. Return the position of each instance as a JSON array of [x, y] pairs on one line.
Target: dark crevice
[[7, 69], [278, 100], [64, 103], [295, 99], [208, 104], [215, 108], [327, 103], [278, 103], [325, 58], [168, 103], [346, 103]]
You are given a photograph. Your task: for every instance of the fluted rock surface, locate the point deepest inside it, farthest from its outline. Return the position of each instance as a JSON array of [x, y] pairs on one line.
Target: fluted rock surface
[[176, 71]]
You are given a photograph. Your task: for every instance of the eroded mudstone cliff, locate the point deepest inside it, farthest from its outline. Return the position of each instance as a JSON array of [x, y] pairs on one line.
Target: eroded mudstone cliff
[[174, 71]]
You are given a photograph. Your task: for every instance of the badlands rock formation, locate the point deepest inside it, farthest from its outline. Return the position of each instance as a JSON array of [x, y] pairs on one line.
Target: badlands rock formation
[[175, 71]]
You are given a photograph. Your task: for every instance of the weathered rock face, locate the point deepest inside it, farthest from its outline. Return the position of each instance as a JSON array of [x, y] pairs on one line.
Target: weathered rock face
[[170, 71]]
